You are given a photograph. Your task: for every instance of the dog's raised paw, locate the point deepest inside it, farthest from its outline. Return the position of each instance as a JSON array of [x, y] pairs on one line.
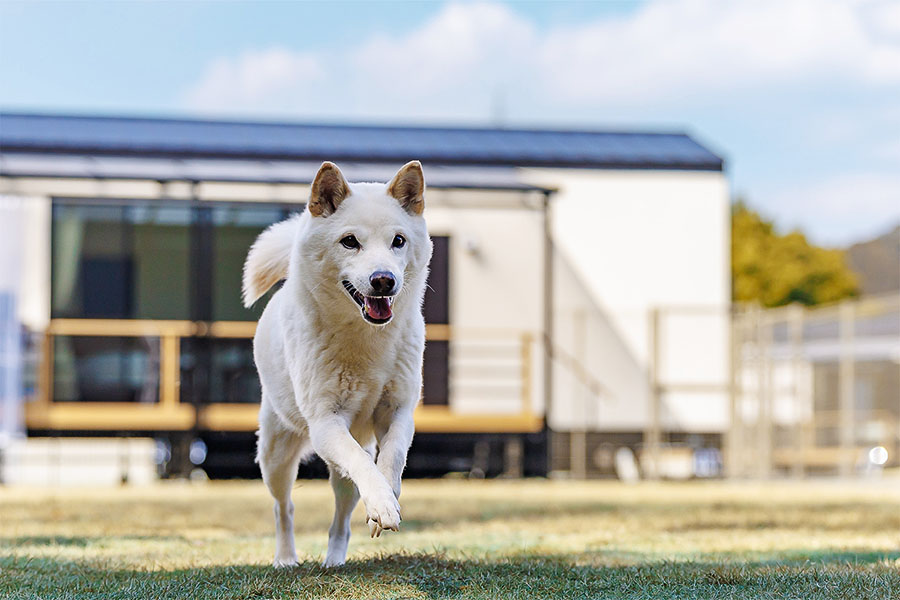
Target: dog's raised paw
[[383, 514]]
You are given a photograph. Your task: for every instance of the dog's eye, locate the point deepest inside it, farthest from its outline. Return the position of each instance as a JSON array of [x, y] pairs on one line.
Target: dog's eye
[[399, 241], [350, 241]]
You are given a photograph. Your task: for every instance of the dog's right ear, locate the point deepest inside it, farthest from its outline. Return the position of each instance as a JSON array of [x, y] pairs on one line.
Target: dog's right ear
[[328, 190]]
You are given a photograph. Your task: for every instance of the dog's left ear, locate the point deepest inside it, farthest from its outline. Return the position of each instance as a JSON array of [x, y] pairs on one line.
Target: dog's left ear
[[408, 187]]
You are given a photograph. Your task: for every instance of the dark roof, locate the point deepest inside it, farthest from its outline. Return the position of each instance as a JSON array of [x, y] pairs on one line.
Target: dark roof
[[182, 138]]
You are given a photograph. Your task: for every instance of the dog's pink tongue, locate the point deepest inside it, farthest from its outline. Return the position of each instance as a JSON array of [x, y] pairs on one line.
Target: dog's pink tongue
[[378, 308]]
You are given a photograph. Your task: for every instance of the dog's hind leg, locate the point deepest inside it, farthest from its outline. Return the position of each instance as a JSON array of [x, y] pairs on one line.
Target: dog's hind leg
[[278, 453], [345, 498]]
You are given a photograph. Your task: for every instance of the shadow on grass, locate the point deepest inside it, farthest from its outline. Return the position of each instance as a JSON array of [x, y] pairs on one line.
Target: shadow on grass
[[80, 541], [824, 575]]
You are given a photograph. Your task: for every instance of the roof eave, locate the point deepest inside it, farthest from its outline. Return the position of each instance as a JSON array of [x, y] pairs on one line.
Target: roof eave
[[711, 164]]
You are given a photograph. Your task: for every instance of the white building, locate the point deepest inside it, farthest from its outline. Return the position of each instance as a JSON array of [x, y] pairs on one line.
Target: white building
[[580, 280]]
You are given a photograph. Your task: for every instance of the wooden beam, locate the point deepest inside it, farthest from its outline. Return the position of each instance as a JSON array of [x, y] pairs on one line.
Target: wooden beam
[[109, 416], [120, 327]]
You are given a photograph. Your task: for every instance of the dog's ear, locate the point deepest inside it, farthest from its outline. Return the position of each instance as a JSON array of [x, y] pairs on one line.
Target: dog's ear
[[408, 187], [328, 190]]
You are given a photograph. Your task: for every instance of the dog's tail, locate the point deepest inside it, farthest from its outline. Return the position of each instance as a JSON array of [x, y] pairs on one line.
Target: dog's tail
[[267, 261]]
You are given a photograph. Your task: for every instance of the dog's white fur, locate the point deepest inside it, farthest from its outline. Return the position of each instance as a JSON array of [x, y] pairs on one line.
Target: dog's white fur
[[332, 383]]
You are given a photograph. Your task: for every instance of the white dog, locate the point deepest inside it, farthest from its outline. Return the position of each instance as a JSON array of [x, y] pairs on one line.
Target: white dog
[[339, 346]]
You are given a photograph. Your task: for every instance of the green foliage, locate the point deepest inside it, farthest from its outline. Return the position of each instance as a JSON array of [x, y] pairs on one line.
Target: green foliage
[[774, 270]]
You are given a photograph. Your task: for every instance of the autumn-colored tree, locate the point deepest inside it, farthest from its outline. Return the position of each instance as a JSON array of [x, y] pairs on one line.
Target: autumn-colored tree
[[774, 270]]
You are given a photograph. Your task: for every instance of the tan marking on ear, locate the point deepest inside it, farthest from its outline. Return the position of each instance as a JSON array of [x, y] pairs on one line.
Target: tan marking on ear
[[408, 187], [328, 190]]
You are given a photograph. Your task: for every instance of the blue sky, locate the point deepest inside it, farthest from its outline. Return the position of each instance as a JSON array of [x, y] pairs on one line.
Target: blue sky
[[800, 96]]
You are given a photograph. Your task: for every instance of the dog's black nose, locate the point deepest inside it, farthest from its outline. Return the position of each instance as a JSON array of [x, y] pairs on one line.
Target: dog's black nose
[[382, 282]]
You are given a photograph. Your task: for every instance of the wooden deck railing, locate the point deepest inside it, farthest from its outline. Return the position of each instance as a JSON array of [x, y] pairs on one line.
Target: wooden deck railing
[[170, 413]]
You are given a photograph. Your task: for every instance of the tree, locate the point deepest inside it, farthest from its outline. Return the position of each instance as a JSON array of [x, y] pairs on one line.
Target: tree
[[774, 270]]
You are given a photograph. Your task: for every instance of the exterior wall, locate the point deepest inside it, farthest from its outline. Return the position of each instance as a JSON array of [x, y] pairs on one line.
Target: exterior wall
[[34, 311], [640, 240], [587, 336], [28, 222], [496, 298]]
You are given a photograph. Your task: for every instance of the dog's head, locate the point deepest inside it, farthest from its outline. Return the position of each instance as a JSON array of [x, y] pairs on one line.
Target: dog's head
[[370, 239]]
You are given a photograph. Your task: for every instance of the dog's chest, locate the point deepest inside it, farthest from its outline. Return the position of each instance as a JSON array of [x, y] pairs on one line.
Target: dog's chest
[[356, 396], [350, 379], [342, 369]]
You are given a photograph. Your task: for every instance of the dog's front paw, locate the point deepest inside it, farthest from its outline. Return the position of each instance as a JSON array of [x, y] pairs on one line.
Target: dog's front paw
[[382, 512], [333, 561], [285, 562]]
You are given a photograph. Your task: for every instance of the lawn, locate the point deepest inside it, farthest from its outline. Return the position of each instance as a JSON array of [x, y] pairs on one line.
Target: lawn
[[461, 539]]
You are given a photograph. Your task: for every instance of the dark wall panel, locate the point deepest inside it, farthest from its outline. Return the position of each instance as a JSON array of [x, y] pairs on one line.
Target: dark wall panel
[[437, 294]]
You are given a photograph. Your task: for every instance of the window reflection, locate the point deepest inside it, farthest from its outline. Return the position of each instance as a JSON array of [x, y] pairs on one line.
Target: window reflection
[[218, 370], [105, 369], [120, 261], [235, 228]]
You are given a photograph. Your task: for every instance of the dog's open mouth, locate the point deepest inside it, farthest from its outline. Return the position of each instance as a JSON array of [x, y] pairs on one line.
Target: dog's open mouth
[[375, 309]]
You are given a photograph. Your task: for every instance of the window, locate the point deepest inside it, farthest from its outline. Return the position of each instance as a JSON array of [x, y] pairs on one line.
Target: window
[[179, 261], [153, 260], [235, 228], [133, 258]]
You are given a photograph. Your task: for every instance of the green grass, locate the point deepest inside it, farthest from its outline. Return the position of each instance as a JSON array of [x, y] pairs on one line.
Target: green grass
[[459, 539]]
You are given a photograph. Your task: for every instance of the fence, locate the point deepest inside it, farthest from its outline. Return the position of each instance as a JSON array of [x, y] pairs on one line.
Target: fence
[[816, 391], [789, 391]]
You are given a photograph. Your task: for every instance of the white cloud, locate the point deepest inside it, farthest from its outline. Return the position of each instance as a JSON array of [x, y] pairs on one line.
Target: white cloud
[[709, 46], [462, 44], [253, 79], [450, 67], [657, 54]]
